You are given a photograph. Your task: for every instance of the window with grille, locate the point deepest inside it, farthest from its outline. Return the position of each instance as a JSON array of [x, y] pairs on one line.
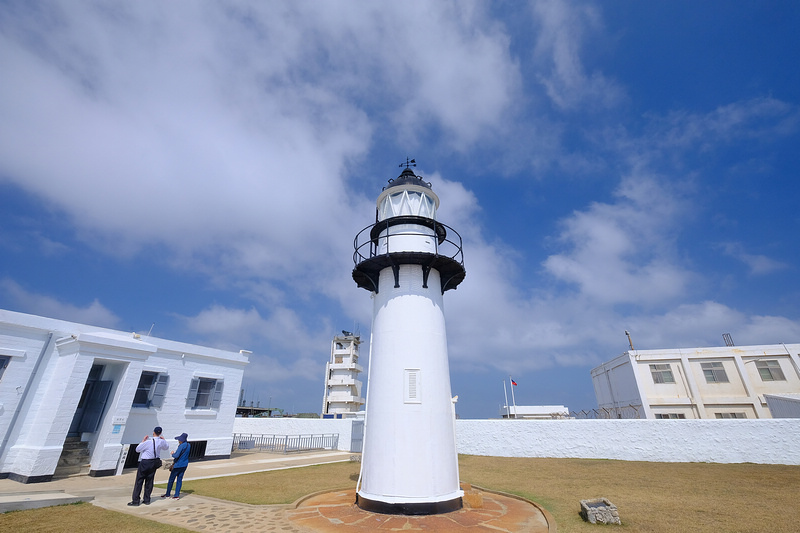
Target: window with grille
[[668, 416], [151, 390], [662, 373], [412, 389], [770, 370], [730, 415], [714, 372]]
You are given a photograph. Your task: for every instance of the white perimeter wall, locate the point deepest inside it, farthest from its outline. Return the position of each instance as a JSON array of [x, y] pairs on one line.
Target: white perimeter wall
[[771, 441], [768, 441]]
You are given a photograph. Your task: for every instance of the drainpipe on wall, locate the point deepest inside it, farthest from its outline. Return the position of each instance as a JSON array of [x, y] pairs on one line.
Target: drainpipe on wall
[[21, 402]]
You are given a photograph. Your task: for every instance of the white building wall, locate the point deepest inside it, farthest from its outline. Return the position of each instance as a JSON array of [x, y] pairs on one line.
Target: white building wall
[[769, 441], [716, 441]]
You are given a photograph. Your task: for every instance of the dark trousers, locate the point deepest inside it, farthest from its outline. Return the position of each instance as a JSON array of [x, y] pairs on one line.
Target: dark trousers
[[145, 474], [176, 475]]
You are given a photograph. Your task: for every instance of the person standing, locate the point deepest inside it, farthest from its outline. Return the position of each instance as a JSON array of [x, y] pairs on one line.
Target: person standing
[[149, 450], [181, 456]]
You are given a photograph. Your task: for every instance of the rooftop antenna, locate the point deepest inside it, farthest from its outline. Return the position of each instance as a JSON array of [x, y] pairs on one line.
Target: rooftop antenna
[[728, 339], [409, 163], [629, 339], [151, 329]]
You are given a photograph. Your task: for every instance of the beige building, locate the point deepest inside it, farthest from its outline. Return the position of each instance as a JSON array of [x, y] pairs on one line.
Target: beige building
[[717, 382]]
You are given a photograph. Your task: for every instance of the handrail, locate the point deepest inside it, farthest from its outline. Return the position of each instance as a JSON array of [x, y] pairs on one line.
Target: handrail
[[284, 443], [443, 245]]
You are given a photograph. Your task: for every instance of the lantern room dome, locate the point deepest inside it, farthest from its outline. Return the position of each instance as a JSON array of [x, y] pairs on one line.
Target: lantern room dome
[[407, 177], [407, 195]]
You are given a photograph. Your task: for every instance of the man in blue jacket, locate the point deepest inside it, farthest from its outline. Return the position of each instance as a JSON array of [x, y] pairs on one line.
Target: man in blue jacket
[[181, 456]]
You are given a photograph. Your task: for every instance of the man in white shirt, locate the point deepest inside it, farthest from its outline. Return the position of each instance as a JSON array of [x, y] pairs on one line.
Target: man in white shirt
[[149, 450]]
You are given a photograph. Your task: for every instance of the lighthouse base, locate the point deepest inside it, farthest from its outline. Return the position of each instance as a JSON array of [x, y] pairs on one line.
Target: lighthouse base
[[408, 508]]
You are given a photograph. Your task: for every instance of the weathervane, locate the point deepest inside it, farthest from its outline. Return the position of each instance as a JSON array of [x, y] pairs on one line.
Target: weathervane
[[409, 163]]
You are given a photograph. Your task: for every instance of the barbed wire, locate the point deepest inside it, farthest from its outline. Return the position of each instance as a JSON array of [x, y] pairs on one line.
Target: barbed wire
[[606, 413]]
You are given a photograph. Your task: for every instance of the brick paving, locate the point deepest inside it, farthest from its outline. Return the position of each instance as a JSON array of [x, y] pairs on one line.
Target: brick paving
[[336, 512]]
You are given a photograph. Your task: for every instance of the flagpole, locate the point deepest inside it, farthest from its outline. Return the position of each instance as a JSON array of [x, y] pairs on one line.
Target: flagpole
[[505, 393], [512, 395]]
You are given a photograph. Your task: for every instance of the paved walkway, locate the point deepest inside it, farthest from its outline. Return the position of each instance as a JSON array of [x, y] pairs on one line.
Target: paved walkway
[[319, 513]]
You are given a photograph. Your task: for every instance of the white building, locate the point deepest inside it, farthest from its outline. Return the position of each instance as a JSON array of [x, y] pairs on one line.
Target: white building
[[342, 397], [720, 382], [65, 385]]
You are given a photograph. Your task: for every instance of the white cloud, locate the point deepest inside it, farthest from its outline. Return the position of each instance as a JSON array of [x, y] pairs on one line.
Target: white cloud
[[222, 131], [562, 26], [25, 301], [292, 349], [622, 252], [759, 265], [760, 119]]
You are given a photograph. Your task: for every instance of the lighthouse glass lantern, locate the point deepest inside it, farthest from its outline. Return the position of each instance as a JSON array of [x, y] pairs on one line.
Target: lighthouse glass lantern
[[408, 260]]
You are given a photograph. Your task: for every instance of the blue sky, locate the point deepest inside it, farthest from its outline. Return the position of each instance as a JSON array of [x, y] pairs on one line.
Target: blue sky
[[202, 169]]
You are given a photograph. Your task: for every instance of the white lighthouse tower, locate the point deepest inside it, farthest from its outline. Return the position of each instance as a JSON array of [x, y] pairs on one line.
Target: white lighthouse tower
[[407, 260]]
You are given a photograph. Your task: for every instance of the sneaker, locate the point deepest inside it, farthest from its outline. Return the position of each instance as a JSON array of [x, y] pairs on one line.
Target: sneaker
[[146, 503], [133, 504], [176, 497], [165, 495]]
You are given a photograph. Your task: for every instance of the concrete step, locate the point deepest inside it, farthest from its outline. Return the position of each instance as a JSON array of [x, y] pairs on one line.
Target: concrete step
[[74, 458], [19, 501]]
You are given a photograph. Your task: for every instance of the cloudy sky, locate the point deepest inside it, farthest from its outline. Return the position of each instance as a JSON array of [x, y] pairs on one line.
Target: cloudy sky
[[201, 169]]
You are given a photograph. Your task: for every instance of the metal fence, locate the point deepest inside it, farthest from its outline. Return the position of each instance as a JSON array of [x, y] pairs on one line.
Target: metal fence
[[243, 442], [623, 411]]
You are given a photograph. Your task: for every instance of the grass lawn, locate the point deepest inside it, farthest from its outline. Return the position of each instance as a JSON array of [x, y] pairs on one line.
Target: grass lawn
[[79, 517], [651, 497], [278, 486]]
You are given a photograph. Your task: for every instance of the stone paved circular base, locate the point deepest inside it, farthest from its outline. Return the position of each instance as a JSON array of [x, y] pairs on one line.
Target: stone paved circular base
[[336, 511]]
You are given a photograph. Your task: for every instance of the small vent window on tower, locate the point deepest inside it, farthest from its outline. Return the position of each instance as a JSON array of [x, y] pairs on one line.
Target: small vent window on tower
[[412, 386]]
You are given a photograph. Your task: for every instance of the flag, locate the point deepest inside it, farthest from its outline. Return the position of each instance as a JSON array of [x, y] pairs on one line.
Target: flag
[[513, 382]]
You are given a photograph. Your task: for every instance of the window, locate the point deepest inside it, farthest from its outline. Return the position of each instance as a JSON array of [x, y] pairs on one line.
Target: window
[[770, 370], [3, 364], [730, 415], [662, 374], [714, 372], [151, 390], [667, 416], [204, 393]]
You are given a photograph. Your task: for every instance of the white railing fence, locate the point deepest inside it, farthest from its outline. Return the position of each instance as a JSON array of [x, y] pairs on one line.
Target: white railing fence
[[284, 443]]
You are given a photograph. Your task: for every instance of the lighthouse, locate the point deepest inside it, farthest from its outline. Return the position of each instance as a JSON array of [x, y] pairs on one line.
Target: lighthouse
[[408, 260]]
